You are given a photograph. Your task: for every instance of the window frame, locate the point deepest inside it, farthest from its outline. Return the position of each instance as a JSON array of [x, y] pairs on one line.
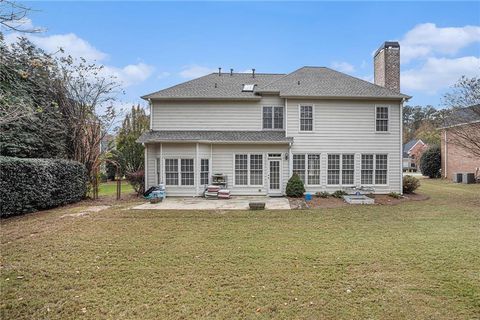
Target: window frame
[[305, 168], [273, 117], [340, 170], [388, 119], [300, 118], [374, 173], [179, 172], [248, 170], [202, 172]]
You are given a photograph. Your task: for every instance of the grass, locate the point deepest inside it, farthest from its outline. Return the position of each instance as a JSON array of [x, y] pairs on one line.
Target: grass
[[110, 188], [416, 260]]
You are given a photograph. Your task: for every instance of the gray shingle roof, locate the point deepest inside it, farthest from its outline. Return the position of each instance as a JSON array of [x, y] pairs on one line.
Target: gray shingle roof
[[407, 146], [461, 116], [325, 82], [318, 82], [214, 136], [213, 86]]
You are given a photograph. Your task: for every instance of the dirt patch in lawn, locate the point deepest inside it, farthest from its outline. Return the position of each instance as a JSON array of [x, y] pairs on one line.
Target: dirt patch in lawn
[[331, 202]]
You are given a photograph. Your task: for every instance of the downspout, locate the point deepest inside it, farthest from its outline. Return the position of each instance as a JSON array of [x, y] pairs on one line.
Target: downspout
[[197, 174], [446, 153], [401, 146]]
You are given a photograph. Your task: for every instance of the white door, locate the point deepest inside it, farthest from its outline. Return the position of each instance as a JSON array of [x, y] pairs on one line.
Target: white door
[[274, 177]]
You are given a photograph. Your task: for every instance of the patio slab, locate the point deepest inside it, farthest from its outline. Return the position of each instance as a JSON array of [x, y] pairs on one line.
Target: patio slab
[[197, 203]]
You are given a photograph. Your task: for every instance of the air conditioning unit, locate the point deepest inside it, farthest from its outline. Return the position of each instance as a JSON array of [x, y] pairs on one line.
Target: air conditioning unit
[[468, 177], [458, 177]]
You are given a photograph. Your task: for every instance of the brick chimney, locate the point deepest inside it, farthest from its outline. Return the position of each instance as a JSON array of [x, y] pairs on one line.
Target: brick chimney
[[387, 66]]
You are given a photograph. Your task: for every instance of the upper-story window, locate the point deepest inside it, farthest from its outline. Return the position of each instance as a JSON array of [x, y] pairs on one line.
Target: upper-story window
[[381, 119], [306, 118], [272, 117]]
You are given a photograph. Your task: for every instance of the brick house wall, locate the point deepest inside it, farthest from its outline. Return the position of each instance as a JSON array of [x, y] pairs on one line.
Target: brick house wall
[[417, 151], [456, 159]]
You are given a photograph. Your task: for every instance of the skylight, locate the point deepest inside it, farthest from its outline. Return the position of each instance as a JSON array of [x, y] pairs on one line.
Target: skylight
[[248, 87]]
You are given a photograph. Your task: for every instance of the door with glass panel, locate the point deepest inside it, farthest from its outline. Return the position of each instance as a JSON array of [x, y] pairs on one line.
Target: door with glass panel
[[274, 176]]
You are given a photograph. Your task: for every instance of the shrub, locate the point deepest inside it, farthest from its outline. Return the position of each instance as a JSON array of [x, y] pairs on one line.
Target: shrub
[[410, 184], [394, 195], [339, 194], [137, 181], [27, 185], [430, 162], [322, 194], [295, 187]]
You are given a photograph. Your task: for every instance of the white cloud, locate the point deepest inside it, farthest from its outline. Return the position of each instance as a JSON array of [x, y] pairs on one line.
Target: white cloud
[[343, 66], [130, 74], [79, 48], [427, 39], [195, 71], [163, 75], [439, 73]]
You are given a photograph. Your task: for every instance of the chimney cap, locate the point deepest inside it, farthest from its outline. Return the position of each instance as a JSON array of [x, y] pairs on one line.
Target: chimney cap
[[387, 44]]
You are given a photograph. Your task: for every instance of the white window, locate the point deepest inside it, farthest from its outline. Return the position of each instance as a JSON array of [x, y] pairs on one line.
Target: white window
[[374, 169], [179, 172], [381, 168], [340, 169], [313, 172], [249, 169], [248, 87], [348, 169], [241, 169], [256, 169], [306, 118], [204, 171], [299, 165], [272, 117], [333, 169], [381, 119], [171, 172]]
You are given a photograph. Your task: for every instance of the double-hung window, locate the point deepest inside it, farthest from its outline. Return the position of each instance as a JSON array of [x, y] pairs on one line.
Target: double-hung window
[[171, 172], [248, 169], [381, 119], [306, 118], [272, 117], [179, 172], [313, 172], [374, 169], [299, 165], [204, 171], [340, 169]]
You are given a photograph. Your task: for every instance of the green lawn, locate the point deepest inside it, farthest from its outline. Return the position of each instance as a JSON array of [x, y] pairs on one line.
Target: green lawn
[[416, 260], [110, 188]]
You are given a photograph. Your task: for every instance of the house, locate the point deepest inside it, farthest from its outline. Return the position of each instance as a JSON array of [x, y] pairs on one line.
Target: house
[[462, 122], [334, 130], [412, 151]]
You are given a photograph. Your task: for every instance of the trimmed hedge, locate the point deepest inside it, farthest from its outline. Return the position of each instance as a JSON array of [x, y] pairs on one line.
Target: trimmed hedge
[[27, 185], [431, 162]]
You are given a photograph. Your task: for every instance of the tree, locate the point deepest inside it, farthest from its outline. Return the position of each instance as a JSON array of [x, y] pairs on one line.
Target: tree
[[463, 118], [130, 152], [31, 123], [295, 186], [13, 16], [416, 119], [430, 162]]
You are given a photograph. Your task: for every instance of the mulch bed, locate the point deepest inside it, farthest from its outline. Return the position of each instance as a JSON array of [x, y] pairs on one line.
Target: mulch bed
[[331, 202]]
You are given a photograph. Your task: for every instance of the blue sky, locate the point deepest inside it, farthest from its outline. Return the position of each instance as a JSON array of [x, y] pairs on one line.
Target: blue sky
[[153, 45]]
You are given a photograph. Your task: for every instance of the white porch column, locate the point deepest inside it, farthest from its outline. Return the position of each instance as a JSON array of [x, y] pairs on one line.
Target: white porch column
[[197, 171]]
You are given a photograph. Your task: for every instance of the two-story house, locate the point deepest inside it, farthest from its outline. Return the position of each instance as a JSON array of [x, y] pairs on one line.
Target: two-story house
[[332, 129]]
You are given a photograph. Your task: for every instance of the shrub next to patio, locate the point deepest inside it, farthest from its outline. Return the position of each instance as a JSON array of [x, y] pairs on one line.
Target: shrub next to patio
[[28, 185], [295, 186]]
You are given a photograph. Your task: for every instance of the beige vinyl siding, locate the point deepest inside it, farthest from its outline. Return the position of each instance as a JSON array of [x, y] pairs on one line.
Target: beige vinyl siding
[[151, 151], [211, 115], [348, 127]]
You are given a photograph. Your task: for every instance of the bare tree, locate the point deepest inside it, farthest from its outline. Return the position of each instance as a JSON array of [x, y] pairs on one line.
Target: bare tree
[[13, 17], [463, 119], [88, 95]]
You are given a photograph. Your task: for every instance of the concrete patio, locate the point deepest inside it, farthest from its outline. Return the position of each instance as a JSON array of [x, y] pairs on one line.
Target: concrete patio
[[197, 203]]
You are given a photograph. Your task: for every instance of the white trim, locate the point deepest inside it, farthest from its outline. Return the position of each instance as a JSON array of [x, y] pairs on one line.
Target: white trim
[[401, 148], [414, 146], [375, 169], [179, 171], [248, 169], [306, 167], [299, 118], [146, 166], [151, 113], [286, 118], [388, 119], [196, 175], [273, 117], [340, 177], [280, 173]]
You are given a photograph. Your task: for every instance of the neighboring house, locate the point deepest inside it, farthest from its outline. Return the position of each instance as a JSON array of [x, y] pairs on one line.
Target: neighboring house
[[456, 159], [412, 151], [334, 130]]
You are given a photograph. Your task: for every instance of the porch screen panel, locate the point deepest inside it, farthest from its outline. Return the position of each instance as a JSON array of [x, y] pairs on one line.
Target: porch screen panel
[[171, 172], [188, 175], [241, 169], [299, 165], [256, 169]]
